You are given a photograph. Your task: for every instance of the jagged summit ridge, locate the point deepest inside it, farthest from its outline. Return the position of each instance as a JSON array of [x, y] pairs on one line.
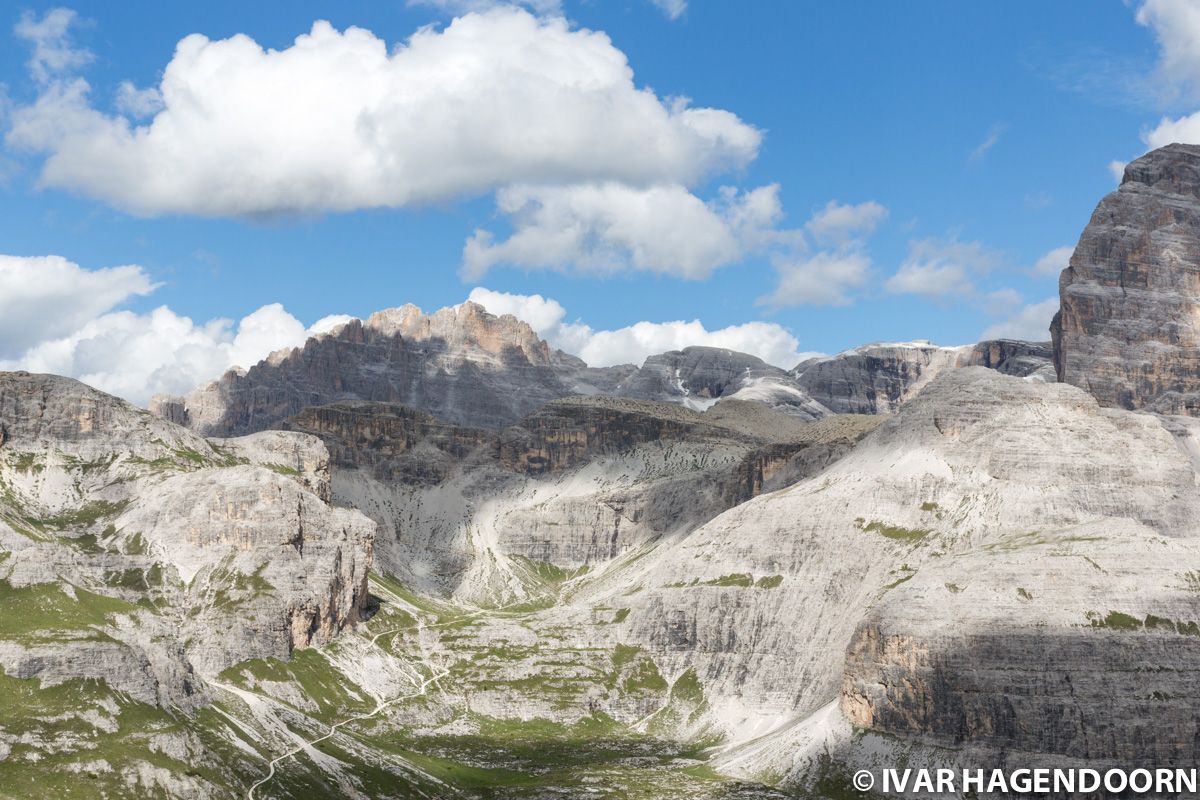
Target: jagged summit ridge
[[461, 363], [879, 378], [469, 367]]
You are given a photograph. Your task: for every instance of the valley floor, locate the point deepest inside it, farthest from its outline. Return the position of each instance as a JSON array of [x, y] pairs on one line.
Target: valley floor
[[399, 708]]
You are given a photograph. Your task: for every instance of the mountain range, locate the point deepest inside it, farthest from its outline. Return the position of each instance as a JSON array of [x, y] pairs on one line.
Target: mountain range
[[431, 556]]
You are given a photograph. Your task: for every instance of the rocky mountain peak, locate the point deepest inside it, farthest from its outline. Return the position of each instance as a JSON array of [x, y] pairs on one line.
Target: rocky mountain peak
[[879, 378], [1174, 169], [1128, 330], [467, 327]]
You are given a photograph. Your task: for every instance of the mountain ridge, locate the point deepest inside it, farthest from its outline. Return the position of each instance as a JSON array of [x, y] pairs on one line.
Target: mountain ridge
[[470, 367]]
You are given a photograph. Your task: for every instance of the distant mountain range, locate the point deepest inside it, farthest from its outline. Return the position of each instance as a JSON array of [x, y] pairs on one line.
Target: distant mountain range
[[468, 367]]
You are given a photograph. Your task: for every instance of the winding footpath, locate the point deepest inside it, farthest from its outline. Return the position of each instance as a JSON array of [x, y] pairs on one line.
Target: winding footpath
[[421, 689], [334, 728]]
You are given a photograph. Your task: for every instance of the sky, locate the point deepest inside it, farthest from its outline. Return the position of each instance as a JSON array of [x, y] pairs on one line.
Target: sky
[[187, 187]]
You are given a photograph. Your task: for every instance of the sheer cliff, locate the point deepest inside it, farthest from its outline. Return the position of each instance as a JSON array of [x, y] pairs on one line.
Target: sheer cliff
[[1127, 330], [137, 561]]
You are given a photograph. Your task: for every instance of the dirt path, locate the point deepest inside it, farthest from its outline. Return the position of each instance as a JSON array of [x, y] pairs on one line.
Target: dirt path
[[421, 689], [334, 728]]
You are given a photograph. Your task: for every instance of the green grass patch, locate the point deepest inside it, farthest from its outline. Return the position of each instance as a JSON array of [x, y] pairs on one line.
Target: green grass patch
[[895, 532], [334, 695], [37, 716], [633, 671], [1115, 620], [741, 579], [49, 612], [26, 463], [443, 612], [1120, 621], [237, 588]]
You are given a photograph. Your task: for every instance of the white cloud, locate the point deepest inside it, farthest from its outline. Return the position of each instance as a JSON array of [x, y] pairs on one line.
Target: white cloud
[[840, 223], [826, 278], [990, 141], [1185, 130], [328, 323], [138, 103], [57, 317], [941, 268], [674, 9], [339, 121], [632, 344], [999, 301], [930, 279], [609, 227], [1176, 25], [48, 296], [50, 39], [1031, 323], [138, 355], [1053, 262]]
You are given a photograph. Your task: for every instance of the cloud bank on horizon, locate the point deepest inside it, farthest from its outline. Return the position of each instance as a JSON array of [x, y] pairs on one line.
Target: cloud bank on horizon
[[57, 317], [634, 343]]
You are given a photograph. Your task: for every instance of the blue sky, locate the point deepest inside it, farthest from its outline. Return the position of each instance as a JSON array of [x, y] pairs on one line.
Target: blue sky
[[960, 143]]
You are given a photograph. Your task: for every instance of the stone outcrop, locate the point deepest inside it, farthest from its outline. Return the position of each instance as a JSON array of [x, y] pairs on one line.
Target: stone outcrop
[[467, 367], [698, 377], [577, 483], [188, 555], [999, 553], [1127, 330], [461, 364], [879, 378]]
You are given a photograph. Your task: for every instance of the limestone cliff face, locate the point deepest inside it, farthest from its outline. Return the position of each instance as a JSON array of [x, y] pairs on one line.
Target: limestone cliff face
[[982, 570], [187, 555], [461, 364], [576, 484], [879, 378], [1127, 330], [394, 443], [700, 376], [467, 367]]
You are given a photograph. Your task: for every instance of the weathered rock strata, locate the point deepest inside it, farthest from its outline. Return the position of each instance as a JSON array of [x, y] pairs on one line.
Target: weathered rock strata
[[577, 483], [1127, 331], [184, 555], [879, 378], [951, 579], [461, 364]]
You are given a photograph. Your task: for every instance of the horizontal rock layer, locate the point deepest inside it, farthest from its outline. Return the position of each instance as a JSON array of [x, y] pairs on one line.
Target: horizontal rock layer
[[186, 555], [1127, 330]]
